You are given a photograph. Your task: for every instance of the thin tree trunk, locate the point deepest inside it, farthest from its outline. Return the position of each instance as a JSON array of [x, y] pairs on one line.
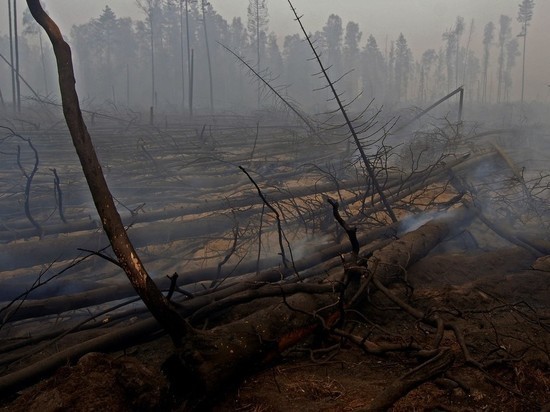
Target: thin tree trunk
[[191, 83], [189, 59], [23, 80], [208, 56], [457, 59], [366, 162], [127, 85], [128, 258], [153, 91], [523, 65], [258, 44], [12, 65], [500, 67], [484, 94], [43, 59], [16, 38], [182, 60], [467, 52]]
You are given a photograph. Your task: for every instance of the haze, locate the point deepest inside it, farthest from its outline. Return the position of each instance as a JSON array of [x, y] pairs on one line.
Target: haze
[[422, 22], [336, 232]]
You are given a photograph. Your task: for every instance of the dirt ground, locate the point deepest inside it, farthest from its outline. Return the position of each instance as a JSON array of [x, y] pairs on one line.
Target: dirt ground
[[501, 304]]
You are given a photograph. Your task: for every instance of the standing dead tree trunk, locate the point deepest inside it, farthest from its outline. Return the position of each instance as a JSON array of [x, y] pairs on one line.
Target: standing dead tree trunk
[[129, 260]]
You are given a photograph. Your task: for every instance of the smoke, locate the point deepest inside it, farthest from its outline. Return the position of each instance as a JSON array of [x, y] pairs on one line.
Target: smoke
[[413, 222], [304, 247]]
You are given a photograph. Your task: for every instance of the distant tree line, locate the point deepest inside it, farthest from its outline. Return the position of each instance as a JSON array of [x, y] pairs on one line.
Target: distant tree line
[[172, 59]]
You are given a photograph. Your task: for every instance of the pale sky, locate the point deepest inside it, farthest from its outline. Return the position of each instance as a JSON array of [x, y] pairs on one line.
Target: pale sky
[[421, 21]]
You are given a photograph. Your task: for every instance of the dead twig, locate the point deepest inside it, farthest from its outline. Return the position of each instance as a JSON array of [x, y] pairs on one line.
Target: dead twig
[[350, 231], [277, 216]]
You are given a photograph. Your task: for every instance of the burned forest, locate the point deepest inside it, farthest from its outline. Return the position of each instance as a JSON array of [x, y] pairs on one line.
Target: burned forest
[[201, 215]]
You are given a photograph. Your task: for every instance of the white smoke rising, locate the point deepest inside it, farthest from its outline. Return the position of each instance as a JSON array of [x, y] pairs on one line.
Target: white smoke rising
[[413, 222]]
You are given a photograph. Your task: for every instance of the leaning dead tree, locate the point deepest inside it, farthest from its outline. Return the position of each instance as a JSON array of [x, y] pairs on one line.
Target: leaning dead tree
[[110, 219], [331, 85]]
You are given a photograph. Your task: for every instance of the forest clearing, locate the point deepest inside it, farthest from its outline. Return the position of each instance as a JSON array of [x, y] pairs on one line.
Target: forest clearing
[[350, 260]]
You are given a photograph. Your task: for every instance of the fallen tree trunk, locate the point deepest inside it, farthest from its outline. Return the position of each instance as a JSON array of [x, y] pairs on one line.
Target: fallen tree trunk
[[217, 355], [37, 252], [213, 360], [17, 255], [115, 340], [60, 304], [457, 166], [210, 360], [535, 246], [194, 209], [390, 263]]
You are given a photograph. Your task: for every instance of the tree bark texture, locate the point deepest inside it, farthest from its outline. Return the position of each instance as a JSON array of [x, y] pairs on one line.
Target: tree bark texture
[[212, 360], [390, 263]]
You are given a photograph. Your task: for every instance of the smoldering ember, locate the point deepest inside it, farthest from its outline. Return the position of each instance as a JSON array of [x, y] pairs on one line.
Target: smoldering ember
[[203, 212]]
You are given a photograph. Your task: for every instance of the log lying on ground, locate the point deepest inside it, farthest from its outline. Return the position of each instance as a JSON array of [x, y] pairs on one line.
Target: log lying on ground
[[535, 246], [31, 253], [389, 263], [116, 340], [542, 264], [204, 305], [211, 361], [212, 206], [155, 228], [36, 252], [423, 180], [527, 241], [60, 304]]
